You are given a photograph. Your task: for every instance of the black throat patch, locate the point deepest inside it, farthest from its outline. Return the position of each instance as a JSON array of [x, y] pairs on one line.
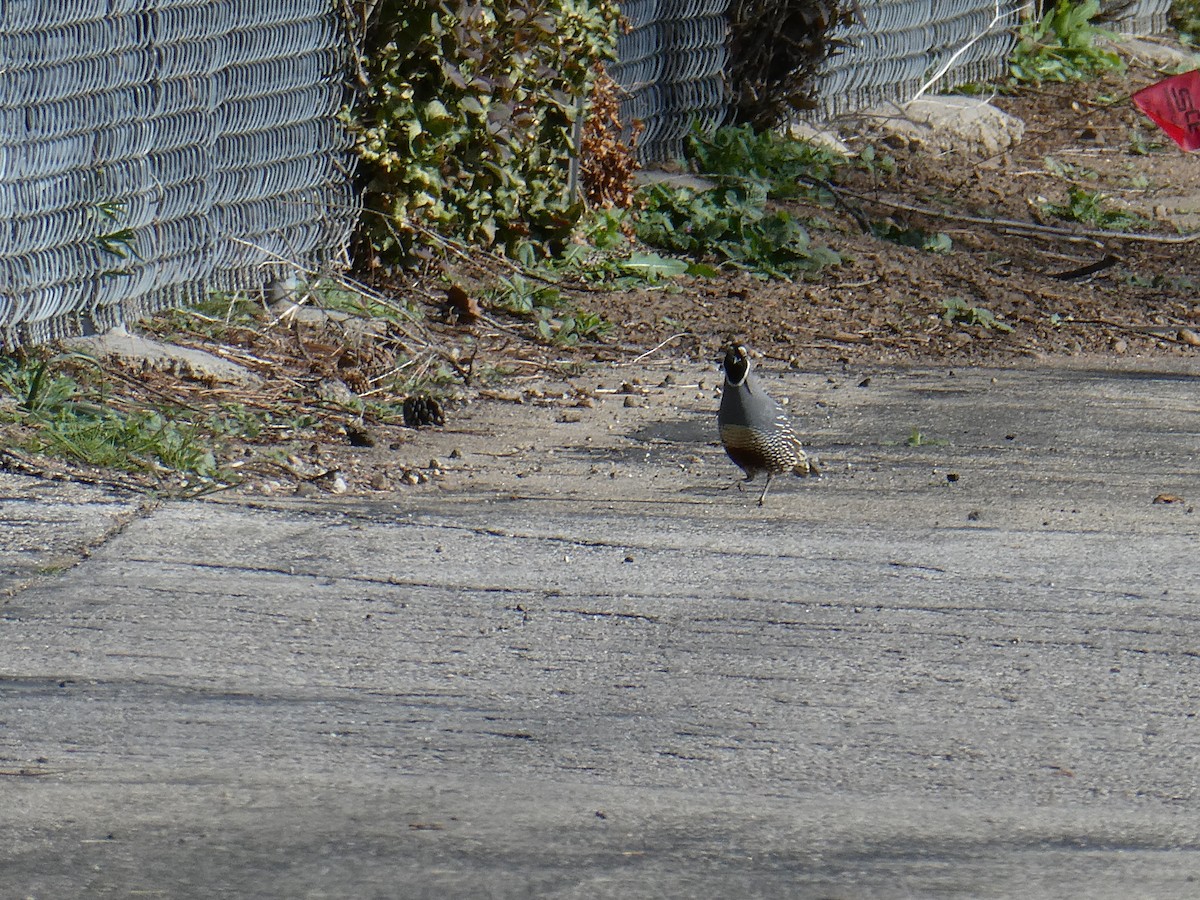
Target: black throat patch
[[737, 365]]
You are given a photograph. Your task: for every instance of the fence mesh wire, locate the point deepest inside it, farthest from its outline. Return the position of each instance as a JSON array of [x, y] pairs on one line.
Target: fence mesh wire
[[671, 65], [900, 44], [1137, 16], [673, 57], [152, 151]]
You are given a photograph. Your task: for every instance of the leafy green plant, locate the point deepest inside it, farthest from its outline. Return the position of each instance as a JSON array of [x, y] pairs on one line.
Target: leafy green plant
[[522, 296], [936, 242], [138, 441], [1063, 45], [32, 384], [604, 229], [1185, 18], [651, 268], [1093, 208], [605, 253], [732, 223], [1061, 169], [918, 438], [874, 163], [118, 241], [62, 414], [556, 321], [345, 298], [784, 166], [465, 123], [955, 310], [571, 328], [1141, 143]]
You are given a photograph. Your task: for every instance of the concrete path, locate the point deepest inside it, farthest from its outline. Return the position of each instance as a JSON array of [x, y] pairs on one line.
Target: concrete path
[[966, 663]]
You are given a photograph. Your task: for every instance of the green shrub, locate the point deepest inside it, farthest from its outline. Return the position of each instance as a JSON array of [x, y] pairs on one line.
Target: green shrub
[[1185, 18], [1063, 46], [785, 166], [732, 223], [466, 121], [61, 415], [1095, 209], [735, 223]]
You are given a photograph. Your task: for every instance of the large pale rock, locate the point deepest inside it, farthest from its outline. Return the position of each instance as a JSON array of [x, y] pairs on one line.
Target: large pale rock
[[1165, 56], [818, 136], [1183, 211], [139, 352], [674, 179], [948, 124]]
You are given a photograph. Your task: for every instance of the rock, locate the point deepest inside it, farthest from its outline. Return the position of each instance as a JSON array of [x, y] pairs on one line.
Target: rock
[[673, 179], [1155, 55], [138, 352], [334, 390], [818, 137], [358, 436], [945, 123]]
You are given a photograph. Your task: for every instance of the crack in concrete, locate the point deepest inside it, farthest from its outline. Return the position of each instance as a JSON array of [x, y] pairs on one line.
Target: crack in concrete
[[61, 563]]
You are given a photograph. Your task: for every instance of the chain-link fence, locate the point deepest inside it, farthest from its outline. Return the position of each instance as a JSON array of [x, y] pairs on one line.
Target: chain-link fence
[[1137, 16], [671, 64], [673, 58], [154, 150], [899, 45]]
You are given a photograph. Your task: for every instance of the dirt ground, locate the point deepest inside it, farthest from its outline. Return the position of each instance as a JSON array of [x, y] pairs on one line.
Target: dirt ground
[[1041, 288], [884, 304]]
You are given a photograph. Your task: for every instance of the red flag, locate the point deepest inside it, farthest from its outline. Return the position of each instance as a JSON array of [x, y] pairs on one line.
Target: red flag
[[1174, 103]]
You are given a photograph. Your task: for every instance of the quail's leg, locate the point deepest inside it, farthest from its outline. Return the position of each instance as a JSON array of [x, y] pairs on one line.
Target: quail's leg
[[763, 495], [741, 483]]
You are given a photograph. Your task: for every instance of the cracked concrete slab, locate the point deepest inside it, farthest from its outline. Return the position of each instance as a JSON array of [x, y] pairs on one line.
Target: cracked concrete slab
[[49, 526], [595, 672]]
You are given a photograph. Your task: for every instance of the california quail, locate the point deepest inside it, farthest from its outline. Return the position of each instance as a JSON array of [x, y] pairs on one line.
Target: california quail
[[755, 430]]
